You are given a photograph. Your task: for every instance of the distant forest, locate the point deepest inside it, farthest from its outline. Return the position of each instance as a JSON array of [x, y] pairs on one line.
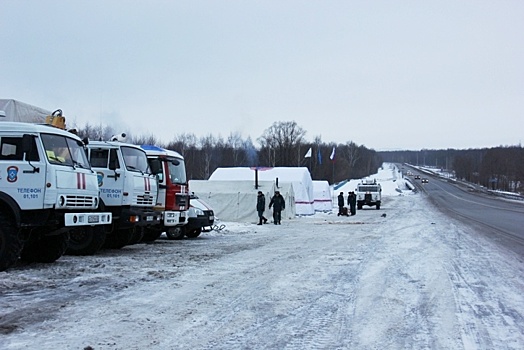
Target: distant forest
[[498, 168], [283, 144]]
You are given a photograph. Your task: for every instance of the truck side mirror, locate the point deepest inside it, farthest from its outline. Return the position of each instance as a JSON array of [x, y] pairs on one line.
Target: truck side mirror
[[27, 143]]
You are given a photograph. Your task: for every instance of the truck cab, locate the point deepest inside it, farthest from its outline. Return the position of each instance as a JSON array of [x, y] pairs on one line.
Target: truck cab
[[173, 196], [127, 189], [47, 191]]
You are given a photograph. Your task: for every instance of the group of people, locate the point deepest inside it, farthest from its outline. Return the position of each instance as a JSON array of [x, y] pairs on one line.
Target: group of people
[[351, 202], [277, 202]]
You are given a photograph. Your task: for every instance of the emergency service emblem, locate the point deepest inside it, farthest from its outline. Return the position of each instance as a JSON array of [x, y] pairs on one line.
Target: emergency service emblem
[[12, 174], [100, 178]]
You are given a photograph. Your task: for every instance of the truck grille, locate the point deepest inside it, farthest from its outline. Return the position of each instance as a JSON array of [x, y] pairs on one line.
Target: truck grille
[[181, 199], [145, 200], [80, 201]]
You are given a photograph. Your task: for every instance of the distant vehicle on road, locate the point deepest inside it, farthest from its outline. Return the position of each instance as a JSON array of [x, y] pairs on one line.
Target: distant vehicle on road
[[417, 177], [424, 180]]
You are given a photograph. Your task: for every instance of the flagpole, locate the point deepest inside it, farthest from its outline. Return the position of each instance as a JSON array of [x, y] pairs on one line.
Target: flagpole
[[332, 157], [333, 171]]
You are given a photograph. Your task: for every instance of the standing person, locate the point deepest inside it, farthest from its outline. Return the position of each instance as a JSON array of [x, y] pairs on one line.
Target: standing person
[[261, 206], [340, 204], [352, 202], [278, 203]]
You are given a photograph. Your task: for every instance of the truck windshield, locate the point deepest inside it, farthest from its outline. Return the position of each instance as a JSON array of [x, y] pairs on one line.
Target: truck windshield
[[177, 170], [135, 159], [63, 150], [367, 188]]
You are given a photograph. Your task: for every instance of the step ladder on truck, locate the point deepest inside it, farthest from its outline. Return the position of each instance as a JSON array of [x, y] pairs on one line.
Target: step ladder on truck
[[48, 191]]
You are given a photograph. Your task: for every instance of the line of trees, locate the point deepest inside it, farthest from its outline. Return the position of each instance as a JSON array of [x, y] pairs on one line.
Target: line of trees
[[498, 168], [283, 144]]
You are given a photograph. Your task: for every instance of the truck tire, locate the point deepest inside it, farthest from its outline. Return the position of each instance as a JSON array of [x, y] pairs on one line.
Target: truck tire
[[378, 206], [44, 249], [151, 235], [359, 206], [194, 233], [118, 239], [10, 243], [176, 233], [138, 235], [86, 240]]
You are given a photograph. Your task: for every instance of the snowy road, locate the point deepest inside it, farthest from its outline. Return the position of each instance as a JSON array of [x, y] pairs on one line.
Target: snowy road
[[413, 279]]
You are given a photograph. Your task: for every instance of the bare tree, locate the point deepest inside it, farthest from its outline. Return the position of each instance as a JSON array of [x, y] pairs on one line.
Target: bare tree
[[145, 140], [235, 145], [351, 154], [95, 132], [182, 142], [208, 146], [282, 141]]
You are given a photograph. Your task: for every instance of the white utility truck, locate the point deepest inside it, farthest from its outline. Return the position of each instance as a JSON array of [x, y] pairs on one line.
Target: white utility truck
[[47, 191], [369, 193], [127, 189]]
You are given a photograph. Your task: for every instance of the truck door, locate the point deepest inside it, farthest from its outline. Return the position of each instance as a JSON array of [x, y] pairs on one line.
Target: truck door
[[109, 173], [22, 174], [158, 168]]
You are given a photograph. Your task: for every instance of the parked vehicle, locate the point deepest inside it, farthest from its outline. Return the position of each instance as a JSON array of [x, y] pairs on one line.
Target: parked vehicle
[[47, 191], [200, 217], [173, 197], [369, 193], [127, 189]]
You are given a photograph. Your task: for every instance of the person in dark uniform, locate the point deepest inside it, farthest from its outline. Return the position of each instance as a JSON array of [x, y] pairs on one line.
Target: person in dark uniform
[[341, 204], [278, 203], [261, 206], [352, 202]]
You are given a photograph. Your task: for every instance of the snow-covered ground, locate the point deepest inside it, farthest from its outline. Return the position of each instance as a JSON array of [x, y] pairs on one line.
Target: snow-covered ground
[[413, 279]]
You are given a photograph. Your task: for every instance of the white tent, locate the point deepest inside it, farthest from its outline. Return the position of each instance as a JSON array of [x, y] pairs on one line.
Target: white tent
[[322, 196], [236, 200], [299, 177], [16, 111]]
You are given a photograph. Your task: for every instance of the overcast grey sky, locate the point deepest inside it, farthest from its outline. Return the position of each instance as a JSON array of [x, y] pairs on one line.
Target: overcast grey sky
[[385, 74]]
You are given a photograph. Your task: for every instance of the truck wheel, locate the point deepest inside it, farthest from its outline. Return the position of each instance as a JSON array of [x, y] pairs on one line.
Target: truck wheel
[[175, 233], [359, 206], [118, 239], [10, 243], [138, 234], [151, 235], [44, 249], [194, 233], [86, 240], [378, 206]]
